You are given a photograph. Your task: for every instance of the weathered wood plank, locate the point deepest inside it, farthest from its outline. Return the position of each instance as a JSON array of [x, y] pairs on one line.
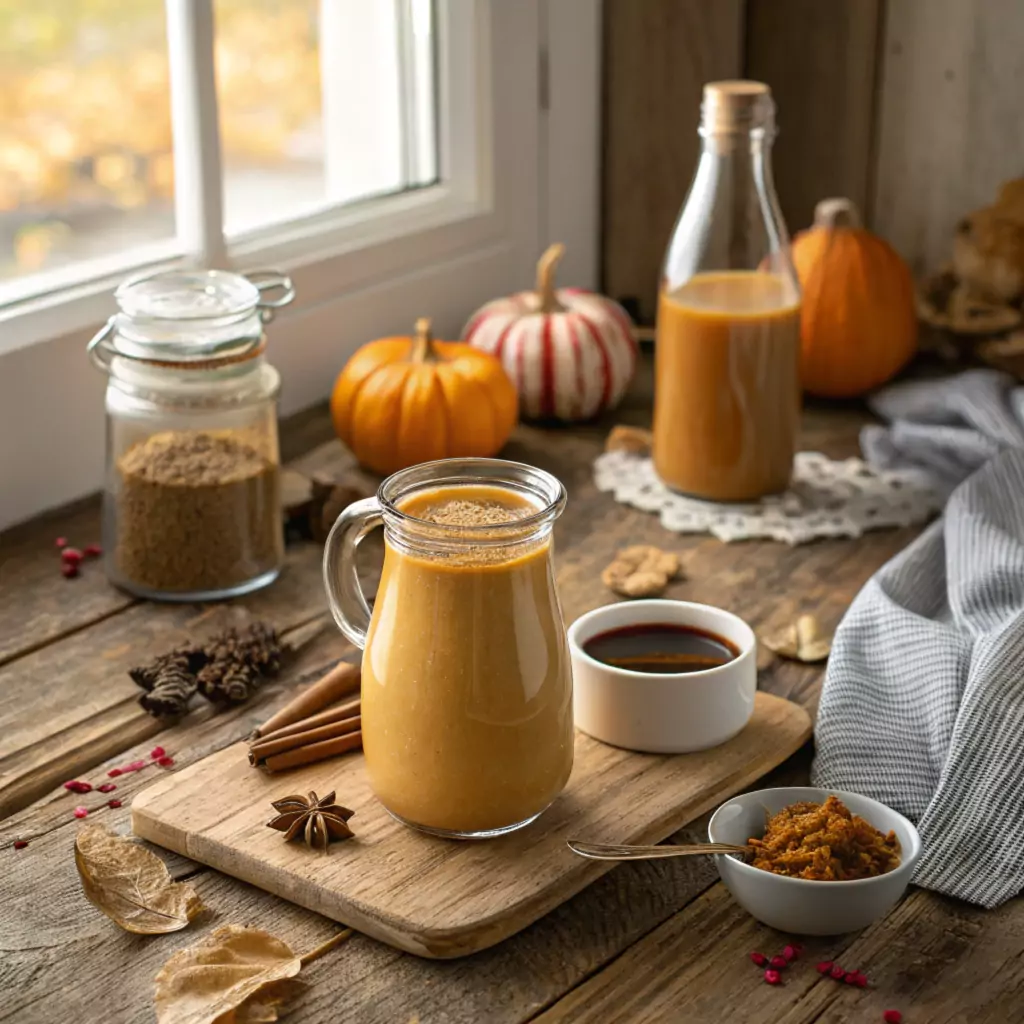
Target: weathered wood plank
[[934, 959], [820, 61], [951, 121], [658, 55]]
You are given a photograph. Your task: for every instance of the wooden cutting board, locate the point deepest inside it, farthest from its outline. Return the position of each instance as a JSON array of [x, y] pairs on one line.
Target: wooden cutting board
[[443, 898]]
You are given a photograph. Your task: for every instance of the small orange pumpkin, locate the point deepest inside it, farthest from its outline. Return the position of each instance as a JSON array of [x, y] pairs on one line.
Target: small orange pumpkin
[[400, 401], [858, 322]]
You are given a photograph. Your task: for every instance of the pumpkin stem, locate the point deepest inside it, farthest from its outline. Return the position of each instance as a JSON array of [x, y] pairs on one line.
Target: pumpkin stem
[[423, 343], [546, 278], [837, 213]]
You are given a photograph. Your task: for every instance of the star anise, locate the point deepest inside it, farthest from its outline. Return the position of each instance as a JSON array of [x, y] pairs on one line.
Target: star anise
[[318, 821]]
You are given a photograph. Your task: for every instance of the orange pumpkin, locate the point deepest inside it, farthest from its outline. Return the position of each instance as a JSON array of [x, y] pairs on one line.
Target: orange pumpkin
[[858, 323], [400, 401]]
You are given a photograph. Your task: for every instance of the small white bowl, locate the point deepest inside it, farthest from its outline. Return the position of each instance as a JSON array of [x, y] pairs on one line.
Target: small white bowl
[[663, 713], [801, 906]]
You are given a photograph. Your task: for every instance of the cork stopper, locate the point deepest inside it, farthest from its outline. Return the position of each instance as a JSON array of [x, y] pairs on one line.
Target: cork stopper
[[737, 105]]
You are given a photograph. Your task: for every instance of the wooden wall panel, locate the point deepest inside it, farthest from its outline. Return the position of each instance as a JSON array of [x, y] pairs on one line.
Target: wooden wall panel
[[657, 56], [820, 61], [951, 118]]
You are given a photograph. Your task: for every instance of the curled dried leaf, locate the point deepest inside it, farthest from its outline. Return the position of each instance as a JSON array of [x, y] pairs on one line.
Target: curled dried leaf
[[803, 641], [131, 885], [641, 571], [234, 974], [629, 439]]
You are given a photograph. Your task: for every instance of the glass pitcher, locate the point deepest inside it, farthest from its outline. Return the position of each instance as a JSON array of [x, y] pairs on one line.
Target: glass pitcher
[[727, 342], [466, 683]]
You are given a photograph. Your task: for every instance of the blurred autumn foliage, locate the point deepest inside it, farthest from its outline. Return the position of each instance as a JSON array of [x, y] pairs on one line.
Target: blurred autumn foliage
[[85, 117]]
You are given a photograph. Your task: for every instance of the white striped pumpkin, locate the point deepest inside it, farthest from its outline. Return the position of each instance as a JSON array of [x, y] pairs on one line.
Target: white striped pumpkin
[[570, 353]]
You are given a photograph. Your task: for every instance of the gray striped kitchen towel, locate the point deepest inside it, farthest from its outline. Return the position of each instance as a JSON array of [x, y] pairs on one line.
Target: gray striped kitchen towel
[[923, 703]]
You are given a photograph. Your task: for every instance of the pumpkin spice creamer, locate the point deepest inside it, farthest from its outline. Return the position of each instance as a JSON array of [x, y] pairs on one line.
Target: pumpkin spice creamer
[[727, 351]]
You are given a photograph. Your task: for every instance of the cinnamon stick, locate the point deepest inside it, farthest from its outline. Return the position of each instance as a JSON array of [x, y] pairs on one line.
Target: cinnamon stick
[[313, 752], [342, 680], [269, 747], [337, 714]]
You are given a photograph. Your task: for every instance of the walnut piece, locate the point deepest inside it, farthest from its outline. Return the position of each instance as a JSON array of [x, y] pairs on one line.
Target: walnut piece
[[641, 571], [628, 439], [803, 641]]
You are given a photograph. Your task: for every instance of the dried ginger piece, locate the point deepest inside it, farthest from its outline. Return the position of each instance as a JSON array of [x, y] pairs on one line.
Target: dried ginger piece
[[629, 439], [641, 571], [803, 641]]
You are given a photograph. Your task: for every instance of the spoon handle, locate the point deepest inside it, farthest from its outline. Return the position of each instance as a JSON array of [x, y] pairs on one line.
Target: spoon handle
[[614, 851]]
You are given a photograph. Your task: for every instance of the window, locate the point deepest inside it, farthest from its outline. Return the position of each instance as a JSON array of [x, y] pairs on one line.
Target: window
[[396, 157]]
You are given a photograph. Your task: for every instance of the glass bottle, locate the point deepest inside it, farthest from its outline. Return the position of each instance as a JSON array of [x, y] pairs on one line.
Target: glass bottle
[[466, 685], [727, 342], [191, 505]]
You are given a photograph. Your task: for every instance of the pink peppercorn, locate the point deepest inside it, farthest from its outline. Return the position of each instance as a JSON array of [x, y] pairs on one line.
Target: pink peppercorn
[[114, 804], [772, 977], [81, 812], [791, 952], [69, 570], [76, 786], [892, 1017], [157, 752], [114, 772], [135, 766], [780, 963], [825, 967], [61, 542], [857, 978], [107, 787], [71, 556], [165, 762], [92, 551], [759, 958], [20, 844], [837, 972]]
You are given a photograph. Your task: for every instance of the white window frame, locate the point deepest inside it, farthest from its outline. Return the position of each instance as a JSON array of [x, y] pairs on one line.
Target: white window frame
[[519, 103]]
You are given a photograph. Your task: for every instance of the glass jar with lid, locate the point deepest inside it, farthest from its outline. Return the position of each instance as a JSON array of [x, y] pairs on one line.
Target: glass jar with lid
[[191, 504]]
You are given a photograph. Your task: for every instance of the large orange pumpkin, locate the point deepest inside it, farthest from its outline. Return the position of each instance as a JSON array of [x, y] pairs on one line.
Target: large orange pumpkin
[[858, 323], [400, 401]]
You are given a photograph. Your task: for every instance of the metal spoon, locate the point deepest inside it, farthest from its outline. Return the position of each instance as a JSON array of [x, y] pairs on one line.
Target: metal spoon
[[616, 851]]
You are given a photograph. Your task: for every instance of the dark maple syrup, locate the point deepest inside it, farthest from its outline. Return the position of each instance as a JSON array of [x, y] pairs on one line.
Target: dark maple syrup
[[662, 647]]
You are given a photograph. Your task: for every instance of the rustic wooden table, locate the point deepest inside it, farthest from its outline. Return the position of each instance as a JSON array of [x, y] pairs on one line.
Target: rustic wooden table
[[658, 941]]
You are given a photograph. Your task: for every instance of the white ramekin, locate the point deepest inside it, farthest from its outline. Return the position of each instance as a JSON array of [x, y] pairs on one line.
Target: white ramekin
[[663, 713]]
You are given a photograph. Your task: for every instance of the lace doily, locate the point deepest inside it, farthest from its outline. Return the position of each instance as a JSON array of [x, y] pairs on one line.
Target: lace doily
[[826, 499]]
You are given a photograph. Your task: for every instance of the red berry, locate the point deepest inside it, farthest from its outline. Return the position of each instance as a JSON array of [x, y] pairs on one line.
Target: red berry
[[165, 762], [135, 766], [61, 542], [759, 958], [892, 1017], [858, 978], [837, 972], [780, 963], [114, 772], [69, 570], [75, 786], [81, 812], [772, 977], [791, 952], [157, 752], [114, 804], [20, 844], [92, 551], [825, 967], [107, 787], [71, 556]]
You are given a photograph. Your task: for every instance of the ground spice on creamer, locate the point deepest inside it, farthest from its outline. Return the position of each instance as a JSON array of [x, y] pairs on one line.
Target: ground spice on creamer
[[824, 842], [196, 511]]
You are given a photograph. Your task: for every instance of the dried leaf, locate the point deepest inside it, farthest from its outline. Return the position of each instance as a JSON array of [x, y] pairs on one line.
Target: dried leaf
[[131, 885], [235, 975], [803, 641]]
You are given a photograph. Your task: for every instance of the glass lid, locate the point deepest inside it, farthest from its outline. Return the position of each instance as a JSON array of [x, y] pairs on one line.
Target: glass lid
[[187, 295]]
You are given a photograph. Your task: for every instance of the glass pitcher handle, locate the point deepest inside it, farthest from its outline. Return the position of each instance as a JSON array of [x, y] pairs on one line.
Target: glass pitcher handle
[[345, 596]]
